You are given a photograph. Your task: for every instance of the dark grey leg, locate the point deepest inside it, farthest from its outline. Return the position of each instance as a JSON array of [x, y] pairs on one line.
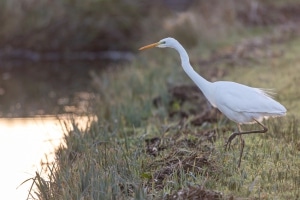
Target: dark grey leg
[[240, 133], [242, 146]]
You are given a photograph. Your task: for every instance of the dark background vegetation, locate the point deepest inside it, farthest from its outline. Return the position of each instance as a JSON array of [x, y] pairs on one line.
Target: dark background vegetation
[[102, 25]]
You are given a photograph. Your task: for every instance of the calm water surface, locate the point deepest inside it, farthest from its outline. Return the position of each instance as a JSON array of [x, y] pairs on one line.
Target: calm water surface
[[38, 89], [25, 143]]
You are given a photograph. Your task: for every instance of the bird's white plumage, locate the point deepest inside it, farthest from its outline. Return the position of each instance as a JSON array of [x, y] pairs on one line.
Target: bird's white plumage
[[240, 103], [243, 104]]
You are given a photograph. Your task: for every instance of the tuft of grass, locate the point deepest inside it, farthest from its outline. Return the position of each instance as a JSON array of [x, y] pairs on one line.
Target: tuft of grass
[[112, 173]]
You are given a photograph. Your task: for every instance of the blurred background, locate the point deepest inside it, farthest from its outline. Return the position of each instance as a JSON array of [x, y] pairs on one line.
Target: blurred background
[[50, 50], [81, 57]]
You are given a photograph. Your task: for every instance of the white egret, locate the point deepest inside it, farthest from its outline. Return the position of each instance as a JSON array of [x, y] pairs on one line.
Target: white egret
[[240, 103]]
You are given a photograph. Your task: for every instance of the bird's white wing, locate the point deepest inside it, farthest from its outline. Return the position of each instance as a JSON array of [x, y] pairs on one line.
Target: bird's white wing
[[242, 98]]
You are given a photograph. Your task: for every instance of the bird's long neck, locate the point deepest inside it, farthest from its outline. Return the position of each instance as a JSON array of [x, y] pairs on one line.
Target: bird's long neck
[[201, 82]]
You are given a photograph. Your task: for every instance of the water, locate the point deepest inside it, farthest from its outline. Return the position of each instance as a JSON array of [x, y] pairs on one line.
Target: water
[[26, 143], [34, 89], [31, 95]]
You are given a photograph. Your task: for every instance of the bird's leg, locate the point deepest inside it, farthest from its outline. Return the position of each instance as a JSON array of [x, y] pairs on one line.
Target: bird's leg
[[233, 135], [242, 146], [240, 133]]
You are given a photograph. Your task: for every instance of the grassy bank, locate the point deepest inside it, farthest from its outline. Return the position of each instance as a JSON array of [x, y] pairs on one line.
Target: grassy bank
[[140, 149]]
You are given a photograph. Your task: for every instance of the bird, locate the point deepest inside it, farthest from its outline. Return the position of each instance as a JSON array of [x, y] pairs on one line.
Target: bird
[[240, 103]]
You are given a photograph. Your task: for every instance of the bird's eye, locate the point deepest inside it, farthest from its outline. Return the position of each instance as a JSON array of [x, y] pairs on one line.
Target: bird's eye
[[163, 42]]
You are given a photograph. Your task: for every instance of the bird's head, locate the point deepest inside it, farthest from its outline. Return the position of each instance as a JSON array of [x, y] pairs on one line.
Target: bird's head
[[166, 42]]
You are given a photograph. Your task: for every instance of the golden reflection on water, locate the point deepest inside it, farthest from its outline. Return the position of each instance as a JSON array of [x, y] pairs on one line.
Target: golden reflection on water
[[24, 142]]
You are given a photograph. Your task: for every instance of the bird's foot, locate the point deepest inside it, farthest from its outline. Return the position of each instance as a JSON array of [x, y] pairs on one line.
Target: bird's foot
[[228, 143]]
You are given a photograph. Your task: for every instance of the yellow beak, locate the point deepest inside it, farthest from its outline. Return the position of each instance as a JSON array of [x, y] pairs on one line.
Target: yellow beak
[[149, 46]]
